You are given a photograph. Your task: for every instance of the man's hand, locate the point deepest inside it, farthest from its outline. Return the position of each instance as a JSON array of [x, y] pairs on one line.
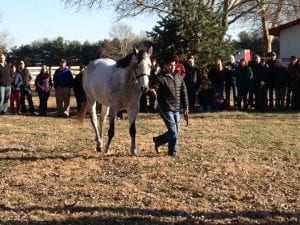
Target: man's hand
[[152, 92], [186, 116]]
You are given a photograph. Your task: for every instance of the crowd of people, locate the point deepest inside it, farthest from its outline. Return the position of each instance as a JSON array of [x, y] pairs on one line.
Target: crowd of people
[[179, 86], [260, 84], [15, 88]]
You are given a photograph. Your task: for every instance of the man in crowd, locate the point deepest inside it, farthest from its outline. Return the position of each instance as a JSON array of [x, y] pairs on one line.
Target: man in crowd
[[63, 82], [5, 81], [25, 88]]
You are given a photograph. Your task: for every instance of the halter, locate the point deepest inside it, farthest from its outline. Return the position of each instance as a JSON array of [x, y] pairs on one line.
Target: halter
[[138, 76]]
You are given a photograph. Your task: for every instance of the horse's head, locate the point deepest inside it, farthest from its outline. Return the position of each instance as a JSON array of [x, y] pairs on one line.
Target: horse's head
[[143, 67]]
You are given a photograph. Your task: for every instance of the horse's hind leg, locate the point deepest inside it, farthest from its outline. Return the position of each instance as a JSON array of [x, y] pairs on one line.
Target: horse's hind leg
[[111, 129], [102, 122], [94, 121]]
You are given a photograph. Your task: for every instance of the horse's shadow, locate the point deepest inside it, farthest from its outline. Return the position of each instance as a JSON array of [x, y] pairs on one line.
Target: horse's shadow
[[125, 215], [31, 157], [96, 155]]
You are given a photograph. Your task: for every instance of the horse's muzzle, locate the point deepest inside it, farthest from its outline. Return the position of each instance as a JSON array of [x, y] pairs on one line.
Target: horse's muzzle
[[145, 89]]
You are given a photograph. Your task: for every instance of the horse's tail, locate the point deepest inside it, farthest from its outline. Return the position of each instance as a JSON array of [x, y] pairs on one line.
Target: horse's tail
[[82, 112]]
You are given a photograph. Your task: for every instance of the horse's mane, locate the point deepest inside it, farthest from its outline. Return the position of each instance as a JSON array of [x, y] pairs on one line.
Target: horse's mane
[[124, 62], [141, 55]]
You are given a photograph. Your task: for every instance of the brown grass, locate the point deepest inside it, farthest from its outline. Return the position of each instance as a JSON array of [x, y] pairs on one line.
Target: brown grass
[[232, 168]]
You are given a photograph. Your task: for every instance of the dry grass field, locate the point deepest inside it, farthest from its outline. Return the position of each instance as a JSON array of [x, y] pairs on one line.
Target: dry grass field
[[232, 168]]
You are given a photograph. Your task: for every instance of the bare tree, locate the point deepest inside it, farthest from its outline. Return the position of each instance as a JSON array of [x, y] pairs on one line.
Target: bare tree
[[268, 13], [124, 9], [125, 36], [122, 41], [5, 41]]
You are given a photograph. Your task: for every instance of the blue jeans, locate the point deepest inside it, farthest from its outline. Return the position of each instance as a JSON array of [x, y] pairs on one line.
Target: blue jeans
[[4, 96], [172, 122]]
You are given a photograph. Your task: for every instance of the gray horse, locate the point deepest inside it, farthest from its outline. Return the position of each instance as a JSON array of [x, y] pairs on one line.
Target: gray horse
[[117, 86]]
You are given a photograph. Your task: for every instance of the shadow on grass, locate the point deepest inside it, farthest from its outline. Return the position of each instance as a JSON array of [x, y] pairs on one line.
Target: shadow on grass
[[97, 155], [124, 215], [32, 158]]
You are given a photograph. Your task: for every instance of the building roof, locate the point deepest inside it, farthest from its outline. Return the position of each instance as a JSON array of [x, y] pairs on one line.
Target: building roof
[[275, 31]]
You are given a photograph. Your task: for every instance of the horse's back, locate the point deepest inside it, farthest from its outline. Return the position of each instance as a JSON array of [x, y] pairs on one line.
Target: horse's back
[[97, 78], [104, 64], [98, 69]]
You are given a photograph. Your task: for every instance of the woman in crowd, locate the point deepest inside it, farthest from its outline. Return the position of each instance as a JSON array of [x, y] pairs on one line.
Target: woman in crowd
[[216, 77], [43, 84], [244, 76], [16, 82]]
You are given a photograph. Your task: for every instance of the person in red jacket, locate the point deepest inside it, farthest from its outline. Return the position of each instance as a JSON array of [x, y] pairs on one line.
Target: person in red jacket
[[180, 69]]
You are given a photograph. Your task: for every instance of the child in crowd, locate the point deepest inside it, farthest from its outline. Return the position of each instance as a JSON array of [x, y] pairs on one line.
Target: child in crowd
[[16, 82]]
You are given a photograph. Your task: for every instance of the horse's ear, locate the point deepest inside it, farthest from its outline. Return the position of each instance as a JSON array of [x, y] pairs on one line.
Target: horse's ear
[[135, 51], [150, 51]]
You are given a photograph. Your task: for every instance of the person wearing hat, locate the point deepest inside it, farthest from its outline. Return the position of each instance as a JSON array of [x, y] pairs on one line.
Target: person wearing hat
[[63, 82]]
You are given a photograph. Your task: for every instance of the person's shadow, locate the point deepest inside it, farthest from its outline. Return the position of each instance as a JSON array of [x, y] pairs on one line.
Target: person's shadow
[[124, 215]]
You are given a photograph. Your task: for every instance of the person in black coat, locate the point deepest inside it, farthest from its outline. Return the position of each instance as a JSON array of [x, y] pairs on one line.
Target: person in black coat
[[259, 82], [230, 82], [78, 88], [170, 89], [192, 80], [280, 84]]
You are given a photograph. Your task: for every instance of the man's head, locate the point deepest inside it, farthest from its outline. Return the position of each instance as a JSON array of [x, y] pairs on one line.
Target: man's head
[[243, 62], [2, 58], [170, 64], [81, 67], [257, 58], [21, 64], [273, 55], [293, 59], [191, 60], [63, 63]]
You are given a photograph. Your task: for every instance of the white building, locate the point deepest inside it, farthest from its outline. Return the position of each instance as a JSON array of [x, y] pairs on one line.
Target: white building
[[289, 38]]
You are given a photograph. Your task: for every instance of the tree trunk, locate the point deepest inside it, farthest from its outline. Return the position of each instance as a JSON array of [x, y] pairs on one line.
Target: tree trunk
[[266, 36]]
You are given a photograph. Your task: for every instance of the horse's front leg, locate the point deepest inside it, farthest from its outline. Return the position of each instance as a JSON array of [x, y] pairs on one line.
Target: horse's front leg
[[105, 112], [132, 130]]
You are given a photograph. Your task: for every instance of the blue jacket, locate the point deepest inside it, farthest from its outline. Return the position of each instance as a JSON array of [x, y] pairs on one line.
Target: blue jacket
[[63, 78]]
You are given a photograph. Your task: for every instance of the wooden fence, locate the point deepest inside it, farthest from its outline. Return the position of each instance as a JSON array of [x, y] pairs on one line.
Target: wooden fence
[[35, 70]]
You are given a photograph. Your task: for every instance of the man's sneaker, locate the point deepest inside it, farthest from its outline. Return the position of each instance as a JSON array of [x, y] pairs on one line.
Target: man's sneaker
[[156, 145], [172, 154]]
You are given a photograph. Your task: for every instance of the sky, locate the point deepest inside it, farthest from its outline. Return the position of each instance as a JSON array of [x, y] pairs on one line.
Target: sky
[[26, 21]]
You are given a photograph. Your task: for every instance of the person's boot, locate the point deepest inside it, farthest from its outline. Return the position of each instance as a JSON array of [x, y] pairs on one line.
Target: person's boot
[[18, 111]]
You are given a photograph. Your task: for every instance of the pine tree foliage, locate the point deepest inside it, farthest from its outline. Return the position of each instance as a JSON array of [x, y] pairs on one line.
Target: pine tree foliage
[[192, 29]]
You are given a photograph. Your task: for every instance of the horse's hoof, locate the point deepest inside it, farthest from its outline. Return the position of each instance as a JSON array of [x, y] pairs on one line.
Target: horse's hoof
[[134, 153], [108, 153], [98, 149]]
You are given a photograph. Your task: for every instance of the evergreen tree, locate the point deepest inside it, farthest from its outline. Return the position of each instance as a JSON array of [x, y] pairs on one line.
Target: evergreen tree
[[191, 29]]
